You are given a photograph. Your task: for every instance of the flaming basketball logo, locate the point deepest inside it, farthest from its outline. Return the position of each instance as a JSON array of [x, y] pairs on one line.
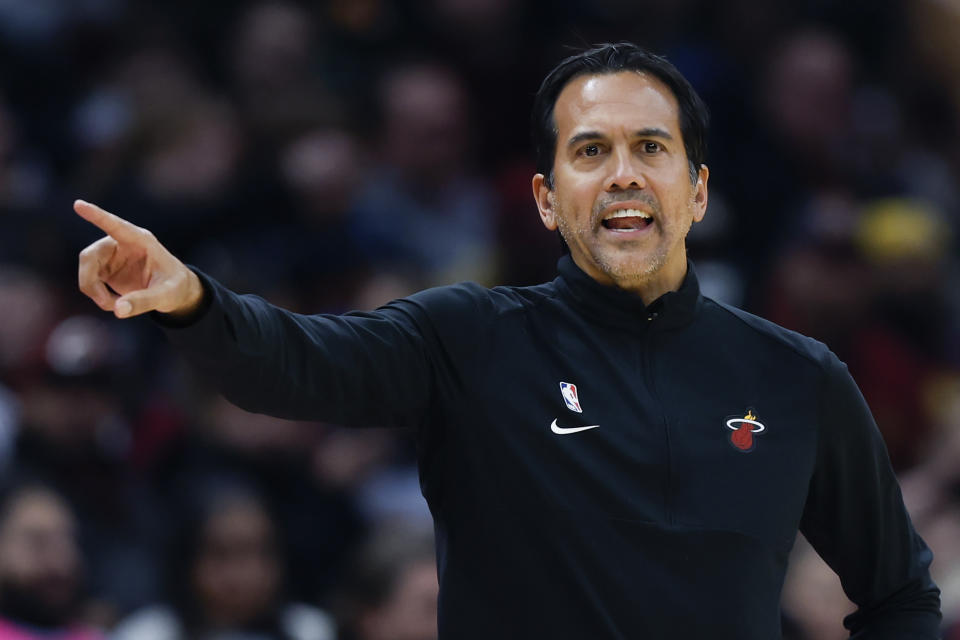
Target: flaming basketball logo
[[743, 431]]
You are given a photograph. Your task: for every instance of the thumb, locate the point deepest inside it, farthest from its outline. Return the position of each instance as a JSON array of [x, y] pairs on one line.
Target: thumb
[[142, 301]]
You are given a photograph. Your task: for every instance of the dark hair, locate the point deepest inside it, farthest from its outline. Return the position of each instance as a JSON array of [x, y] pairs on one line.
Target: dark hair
[[378, 567], [613, 58]]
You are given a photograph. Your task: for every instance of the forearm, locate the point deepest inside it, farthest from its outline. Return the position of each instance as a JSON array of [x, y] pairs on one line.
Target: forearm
[[911, 614], [855, 518]]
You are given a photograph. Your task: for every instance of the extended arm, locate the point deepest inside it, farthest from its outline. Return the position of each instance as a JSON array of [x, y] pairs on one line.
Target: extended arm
[[373, 368]]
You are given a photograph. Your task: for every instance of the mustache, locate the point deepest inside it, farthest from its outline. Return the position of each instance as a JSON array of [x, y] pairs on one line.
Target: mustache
[[629, 195]]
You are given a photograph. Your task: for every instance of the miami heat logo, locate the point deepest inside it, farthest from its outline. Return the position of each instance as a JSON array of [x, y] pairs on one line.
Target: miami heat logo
[[743, 431]]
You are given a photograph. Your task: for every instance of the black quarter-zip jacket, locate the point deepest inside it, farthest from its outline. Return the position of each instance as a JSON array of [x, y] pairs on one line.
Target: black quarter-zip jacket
[[714, 436]]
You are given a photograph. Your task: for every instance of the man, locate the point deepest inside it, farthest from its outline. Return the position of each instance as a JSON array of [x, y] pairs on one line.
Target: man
[[607, 455], [39, 567]]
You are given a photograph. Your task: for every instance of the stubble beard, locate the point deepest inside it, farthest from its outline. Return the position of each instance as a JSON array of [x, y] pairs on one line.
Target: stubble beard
[[626, 272]]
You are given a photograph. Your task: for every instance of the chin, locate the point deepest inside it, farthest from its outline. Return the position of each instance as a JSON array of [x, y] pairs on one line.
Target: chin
[[631, 271]]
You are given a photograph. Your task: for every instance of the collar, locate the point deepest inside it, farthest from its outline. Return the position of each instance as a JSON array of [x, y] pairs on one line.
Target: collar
[[612, 305]]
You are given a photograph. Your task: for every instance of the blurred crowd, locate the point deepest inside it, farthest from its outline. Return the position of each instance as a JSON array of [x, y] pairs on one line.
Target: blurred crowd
[[332, 155]]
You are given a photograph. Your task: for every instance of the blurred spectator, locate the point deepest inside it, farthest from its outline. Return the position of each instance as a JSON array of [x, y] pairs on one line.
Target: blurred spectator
[[319, 522], [423, 206], [24, 178], [273, 66], [74, 433], [392, 592], [26, 184], [483, 39], [820, 284], [30, 307], [311, 254], [797, 152], [186, 174], [808, 99], [226, 582], [377, 468], [40, 567]]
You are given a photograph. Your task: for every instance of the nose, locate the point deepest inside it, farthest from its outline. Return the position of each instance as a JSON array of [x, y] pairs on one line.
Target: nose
[[626, 172]]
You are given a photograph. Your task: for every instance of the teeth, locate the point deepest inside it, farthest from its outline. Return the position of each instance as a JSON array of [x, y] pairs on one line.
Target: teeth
[[628, 213]]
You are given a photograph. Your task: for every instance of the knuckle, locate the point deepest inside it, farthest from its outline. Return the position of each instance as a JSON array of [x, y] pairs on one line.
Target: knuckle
[[90, 291], [93, 251]]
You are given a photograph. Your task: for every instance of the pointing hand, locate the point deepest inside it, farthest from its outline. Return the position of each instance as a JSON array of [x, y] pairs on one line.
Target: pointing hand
[[129, 272]]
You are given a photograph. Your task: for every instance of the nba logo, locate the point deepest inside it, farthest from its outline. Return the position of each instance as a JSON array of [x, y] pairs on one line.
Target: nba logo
[[569, 392]]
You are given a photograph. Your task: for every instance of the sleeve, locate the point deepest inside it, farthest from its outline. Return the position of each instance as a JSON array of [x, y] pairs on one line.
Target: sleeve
[[359, 369], [856, 520]]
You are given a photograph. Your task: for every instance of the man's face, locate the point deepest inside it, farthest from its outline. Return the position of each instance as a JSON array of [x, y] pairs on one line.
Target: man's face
[[237, 572], [622, 196], [39, 560]]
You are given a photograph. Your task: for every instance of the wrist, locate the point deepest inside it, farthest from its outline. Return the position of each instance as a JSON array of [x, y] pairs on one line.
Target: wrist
[[195, 298]]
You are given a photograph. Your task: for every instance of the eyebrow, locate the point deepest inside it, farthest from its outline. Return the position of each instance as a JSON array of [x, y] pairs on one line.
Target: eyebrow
[[653, 132], [583, 137], [648, 132]]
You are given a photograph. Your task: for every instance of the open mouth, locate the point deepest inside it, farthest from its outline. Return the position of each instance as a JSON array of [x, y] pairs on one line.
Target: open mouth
[[627, 220]]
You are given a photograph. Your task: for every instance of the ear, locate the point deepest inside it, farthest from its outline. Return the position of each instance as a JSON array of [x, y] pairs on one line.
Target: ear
[[544, 197], [700, 194]]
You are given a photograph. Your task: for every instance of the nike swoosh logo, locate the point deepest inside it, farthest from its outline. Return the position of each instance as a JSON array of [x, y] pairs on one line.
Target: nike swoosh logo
[[566, 430]]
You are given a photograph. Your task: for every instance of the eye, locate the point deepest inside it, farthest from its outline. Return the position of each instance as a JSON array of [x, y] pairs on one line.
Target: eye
[[591, 150], [651, 147]]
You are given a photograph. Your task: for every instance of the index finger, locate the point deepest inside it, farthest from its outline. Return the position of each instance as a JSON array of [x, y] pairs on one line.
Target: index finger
[[114, 226]]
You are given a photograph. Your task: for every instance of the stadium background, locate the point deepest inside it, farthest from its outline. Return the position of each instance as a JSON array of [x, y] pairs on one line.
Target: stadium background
[[332, 155]]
